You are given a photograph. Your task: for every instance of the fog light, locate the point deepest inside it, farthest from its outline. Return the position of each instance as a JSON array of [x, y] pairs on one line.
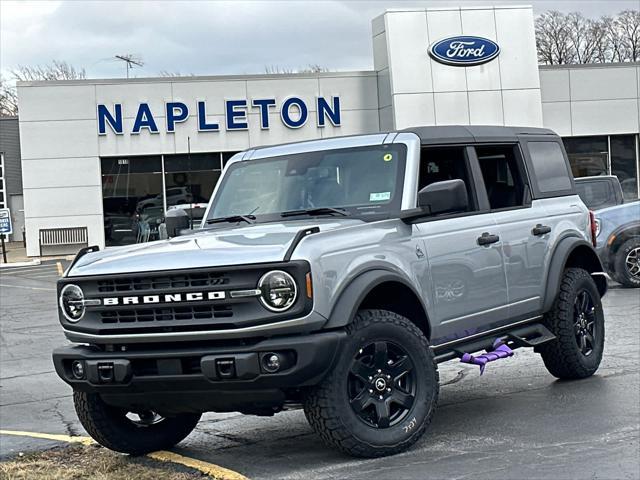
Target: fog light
[[271, 362], [77, 368]]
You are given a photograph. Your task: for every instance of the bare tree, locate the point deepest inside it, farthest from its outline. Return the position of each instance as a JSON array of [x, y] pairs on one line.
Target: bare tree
[[278, 70], [581, 38], [572, 38], [602, 44], [8, 99], [552, 37], [168, 73], [313, 68], [628, 23], [56, 70]]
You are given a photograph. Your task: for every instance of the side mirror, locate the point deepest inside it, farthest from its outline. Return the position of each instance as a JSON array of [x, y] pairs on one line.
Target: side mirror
[[448, 196], [444, 197], [176, 219]]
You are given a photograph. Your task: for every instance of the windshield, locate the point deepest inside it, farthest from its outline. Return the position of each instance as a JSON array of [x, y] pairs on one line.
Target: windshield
[[363, 181]]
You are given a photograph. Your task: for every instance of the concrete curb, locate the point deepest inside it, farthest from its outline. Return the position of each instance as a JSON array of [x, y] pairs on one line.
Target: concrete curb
[[30, 263]]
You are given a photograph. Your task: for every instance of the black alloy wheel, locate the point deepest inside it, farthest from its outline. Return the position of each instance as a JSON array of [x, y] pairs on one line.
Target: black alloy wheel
[[584, 322], [632, 262], [382, 391], [381, 384]]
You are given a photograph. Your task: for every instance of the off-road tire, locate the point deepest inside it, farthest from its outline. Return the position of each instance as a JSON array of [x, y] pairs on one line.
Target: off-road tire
[[327, 406], [622, 274], [110, 427], [562, 356]]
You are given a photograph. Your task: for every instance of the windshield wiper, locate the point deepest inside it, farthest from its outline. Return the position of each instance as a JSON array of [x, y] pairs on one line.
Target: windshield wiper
[[316, 211], [233, 218]]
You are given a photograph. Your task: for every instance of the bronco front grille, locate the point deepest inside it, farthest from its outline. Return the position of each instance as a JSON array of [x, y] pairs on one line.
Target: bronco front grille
[[204, 312], [163, 282], [180, 300]]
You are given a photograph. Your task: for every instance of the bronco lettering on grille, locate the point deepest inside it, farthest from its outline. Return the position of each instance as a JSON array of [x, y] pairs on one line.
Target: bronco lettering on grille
[[167, 298]]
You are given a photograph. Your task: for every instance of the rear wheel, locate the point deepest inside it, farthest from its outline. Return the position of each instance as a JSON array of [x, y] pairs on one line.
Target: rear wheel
[[383, 391], [577, 321], [131, 432], [627, 263]]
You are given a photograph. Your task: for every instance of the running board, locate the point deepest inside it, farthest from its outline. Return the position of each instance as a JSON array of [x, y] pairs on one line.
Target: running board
[[531, 335]]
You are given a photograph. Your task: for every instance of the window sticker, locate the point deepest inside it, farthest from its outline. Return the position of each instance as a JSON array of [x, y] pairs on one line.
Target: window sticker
[[388, 157], [379, 197]]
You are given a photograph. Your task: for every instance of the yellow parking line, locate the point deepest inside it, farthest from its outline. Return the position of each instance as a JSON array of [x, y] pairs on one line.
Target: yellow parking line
[[217, 472], [211, 469], [49, 436], [60, 270]]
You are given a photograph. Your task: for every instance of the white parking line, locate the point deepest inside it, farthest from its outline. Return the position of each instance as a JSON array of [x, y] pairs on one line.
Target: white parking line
[[27, 288], [45, 275], [26, 269], [29, 271]]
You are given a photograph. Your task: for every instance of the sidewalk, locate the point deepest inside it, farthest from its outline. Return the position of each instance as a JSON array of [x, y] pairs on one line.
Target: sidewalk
[[17, 256]]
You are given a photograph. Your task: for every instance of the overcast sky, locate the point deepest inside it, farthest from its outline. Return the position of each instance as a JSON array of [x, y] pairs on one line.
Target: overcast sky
[[214, 37]]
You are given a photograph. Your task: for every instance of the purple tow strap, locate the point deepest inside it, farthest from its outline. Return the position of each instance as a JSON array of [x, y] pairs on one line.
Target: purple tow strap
[[500, 350]]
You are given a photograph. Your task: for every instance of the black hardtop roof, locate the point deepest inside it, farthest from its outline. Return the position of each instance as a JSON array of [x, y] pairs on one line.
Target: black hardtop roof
[[474, 133]]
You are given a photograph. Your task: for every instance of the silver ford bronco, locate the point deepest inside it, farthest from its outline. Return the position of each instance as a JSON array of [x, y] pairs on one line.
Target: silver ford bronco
[[334, 275]]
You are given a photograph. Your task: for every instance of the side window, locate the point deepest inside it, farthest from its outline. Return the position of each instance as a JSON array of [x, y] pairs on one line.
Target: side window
[[549, 166], [446, 163], [502, 175]]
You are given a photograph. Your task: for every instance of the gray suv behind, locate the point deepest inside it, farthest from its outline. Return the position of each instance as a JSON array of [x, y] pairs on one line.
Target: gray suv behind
[[335, 275]]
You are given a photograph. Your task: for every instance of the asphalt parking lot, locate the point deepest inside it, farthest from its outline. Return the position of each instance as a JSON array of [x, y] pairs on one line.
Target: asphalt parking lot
[[516, 421]]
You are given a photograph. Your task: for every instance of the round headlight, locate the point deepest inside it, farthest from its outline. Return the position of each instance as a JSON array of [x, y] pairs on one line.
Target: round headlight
[[277, 290], [72, 302]]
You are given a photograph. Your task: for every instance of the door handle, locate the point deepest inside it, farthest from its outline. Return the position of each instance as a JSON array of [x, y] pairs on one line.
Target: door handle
[[487, 239], [540, 229]]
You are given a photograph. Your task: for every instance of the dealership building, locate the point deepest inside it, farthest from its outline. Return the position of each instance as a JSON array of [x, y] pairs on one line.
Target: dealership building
[[101, 159]]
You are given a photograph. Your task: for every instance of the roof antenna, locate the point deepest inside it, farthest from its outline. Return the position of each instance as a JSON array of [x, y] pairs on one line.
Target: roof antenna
[[130, 60]]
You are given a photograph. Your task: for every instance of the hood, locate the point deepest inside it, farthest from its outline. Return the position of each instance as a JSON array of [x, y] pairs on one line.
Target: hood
[[622, 209], [258, 243]]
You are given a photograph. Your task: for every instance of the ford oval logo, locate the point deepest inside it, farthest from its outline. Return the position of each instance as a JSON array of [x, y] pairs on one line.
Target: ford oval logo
[[464, 50]]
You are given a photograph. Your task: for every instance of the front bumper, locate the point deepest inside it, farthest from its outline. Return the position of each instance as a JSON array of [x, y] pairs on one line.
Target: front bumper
[[202, 378]]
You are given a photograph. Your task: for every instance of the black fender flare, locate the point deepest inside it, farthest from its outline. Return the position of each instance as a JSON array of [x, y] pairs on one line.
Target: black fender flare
[[351, 297], [622, 234], [561, 254]]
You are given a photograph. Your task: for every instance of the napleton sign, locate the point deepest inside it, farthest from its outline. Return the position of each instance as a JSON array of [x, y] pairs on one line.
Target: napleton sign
[[294, 113]]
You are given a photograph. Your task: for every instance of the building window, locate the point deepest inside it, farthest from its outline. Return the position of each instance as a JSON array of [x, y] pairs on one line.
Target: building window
[[606, 155], [589, 156], [624, 164], [189, 182], [131, 198], [137, 190]]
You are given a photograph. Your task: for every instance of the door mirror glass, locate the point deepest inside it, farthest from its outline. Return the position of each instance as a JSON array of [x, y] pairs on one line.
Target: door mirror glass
[[448, 196]]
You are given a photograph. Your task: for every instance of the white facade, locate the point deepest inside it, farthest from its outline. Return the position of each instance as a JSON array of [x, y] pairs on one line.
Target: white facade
[[582, 100], [414, 89], [62, 146]]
